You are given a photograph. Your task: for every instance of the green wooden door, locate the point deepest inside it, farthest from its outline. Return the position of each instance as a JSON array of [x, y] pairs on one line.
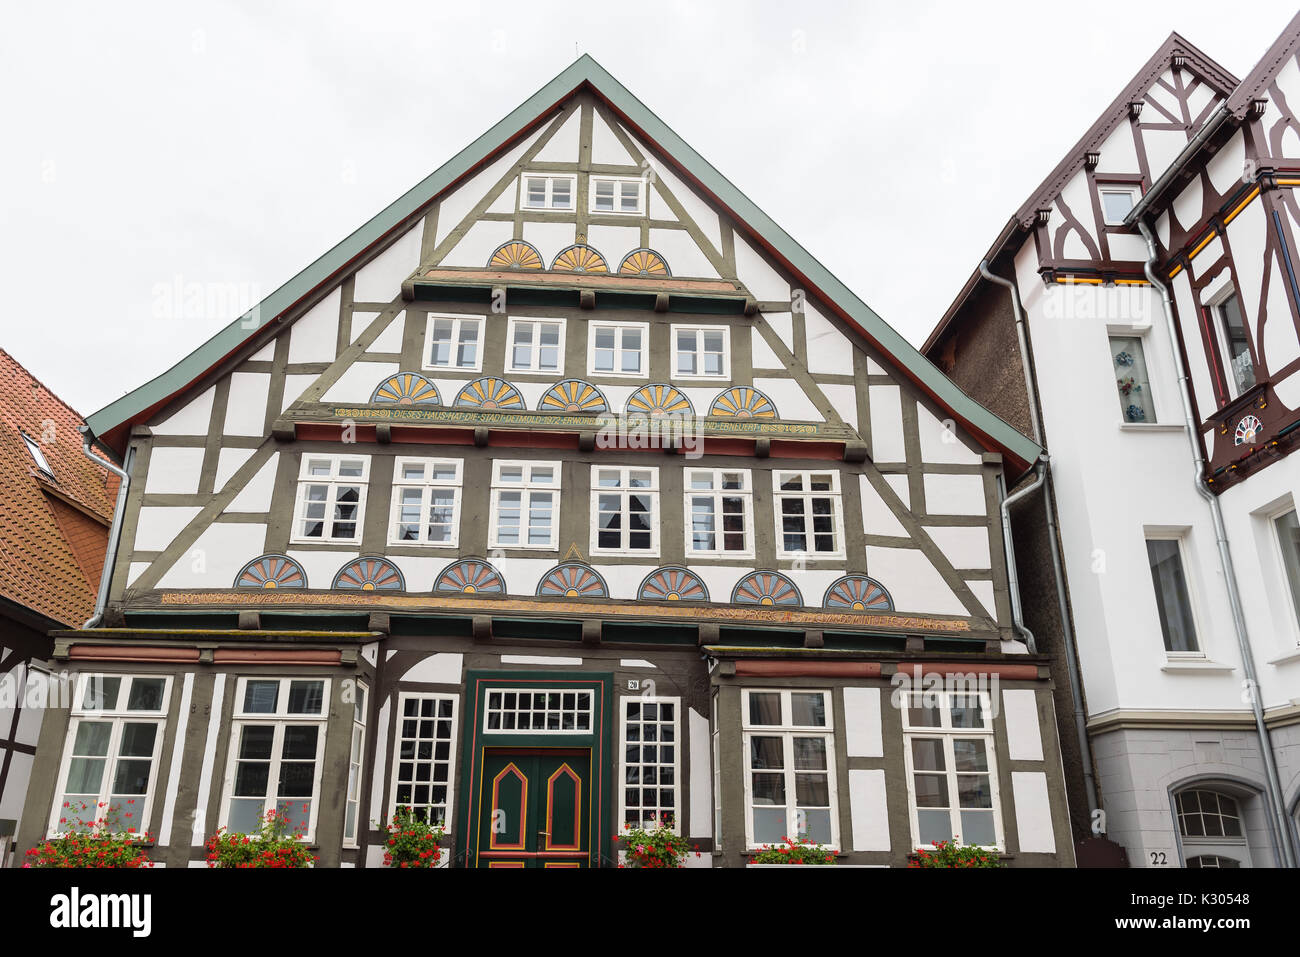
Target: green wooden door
[[535, 808]]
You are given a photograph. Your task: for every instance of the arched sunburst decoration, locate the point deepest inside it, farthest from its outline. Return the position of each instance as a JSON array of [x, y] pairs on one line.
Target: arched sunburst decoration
[[370, 574], [1248, 430], [491, 394], [470, 577], [271, 571], [858, 593], [516, 254], [572, 580], [643, 262], [579, 258], [672, 583], [659, 399], [743, 402], [406, 388], [766, 588], [573, 395]]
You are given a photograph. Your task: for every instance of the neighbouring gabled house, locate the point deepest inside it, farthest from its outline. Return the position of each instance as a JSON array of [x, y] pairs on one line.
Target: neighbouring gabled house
[[55, 507], [569, 492], [1155, 274]]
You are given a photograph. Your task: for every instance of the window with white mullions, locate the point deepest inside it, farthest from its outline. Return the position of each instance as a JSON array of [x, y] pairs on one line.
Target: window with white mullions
[[719, 512], [650, 763], [525, 505], [1211, 830], [548, 192], [426, 502], [454, 342], [701, 352], [625, 507], [357, 749], [617, 350], [523, 711], [611, 195], [536, 345], [951, 771], [331, 498], [789, 767], [422, 775], [276, 743], [808, 512], [111, 754]]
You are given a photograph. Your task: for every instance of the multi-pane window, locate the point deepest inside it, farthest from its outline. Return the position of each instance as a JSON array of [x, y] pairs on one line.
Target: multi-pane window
[[1132, 383], [719, 513], [952, 788], [616, 195], [1234, 345], [789, 767], [426, 733], [651, 763], [1287, 528], [548, 192], [625, 511], [331, 498], [701, 352], [111, 753], [1117, 202], [525, 505], [356, 752], [426, 502], [524, 711], [808, 514], [277, 739], [536, 345], [1173, 601], [617, 349], [1211, 829], [454, 342]]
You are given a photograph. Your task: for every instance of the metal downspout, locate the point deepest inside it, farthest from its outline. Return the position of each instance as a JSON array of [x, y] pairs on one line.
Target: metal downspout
[[115, 530], [1272, 779], [1013, 578], [1067, 627]]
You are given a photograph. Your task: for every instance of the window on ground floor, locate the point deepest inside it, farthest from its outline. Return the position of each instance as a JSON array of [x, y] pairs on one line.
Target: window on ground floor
[[789, 754]]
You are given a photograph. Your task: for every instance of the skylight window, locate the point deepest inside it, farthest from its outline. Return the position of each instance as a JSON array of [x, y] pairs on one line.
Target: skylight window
[[34, 448]]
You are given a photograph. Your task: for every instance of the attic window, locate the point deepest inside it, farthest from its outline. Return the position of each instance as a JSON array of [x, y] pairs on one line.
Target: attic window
[[34, 448], [617, 195], [1117, 202], [547, 192]]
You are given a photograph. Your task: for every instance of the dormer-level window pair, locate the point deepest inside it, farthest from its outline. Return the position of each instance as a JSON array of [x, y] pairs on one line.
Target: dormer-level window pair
[[606, 194]]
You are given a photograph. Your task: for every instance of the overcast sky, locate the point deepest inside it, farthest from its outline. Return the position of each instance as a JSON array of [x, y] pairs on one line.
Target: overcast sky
[[147, 146]]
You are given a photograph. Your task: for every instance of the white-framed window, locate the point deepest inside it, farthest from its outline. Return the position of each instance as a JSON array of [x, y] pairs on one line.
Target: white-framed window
[[535, 345], [111, 753], [425, 765], [548, 191], [1117, 201], [618, 349], [34, 448], [1286, 531], [454, 342], [525, 505], [1132, 382], [789, 766], [528, 711], [701, 352], [356, 755], [277, 741], [426, 502], [1165, 555], [624, 511], [331, 498], [651, 762], [952, 778], [809, 514], [1211, 828], [716, 736], [617, 194], [1234, 343], [719, 507]]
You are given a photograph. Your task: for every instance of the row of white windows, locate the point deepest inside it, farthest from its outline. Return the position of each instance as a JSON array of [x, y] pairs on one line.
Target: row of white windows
[[620, 349], [525, 499], [110, 762], [616, 195]]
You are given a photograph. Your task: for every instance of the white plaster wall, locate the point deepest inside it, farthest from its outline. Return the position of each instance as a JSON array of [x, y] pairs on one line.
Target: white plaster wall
[[682, 254], [216, 557], [173, 471], [954, 494], [792, 403], [246, 405], [358, 381], [256, 495], [314, 336], [455, 206], [605, 147], [829, 350], [158, 525], [191, 419], [886, 424], [764, 282], [563, 146], [912, 581], [476, 246]]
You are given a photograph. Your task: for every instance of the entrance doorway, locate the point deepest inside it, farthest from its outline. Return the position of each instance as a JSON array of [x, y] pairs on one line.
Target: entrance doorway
[[534, 808]]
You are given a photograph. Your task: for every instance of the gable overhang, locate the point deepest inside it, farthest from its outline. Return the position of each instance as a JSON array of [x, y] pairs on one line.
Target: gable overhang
[[112, 423]]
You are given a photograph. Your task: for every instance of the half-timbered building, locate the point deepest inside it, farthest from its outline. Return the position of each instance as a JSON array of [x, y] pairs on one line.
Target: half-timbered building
[[568, 492], [1154, 273]]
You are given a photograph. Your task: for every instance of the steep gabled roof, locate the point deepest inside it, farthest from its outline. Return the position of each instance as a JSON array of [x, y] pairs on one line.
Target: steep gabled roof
[[112, 422]]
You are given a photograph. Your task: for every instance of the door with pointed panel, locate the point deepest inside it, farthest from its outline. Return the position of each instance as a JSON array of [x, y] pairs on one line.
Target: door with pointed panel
[[535, 808]]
